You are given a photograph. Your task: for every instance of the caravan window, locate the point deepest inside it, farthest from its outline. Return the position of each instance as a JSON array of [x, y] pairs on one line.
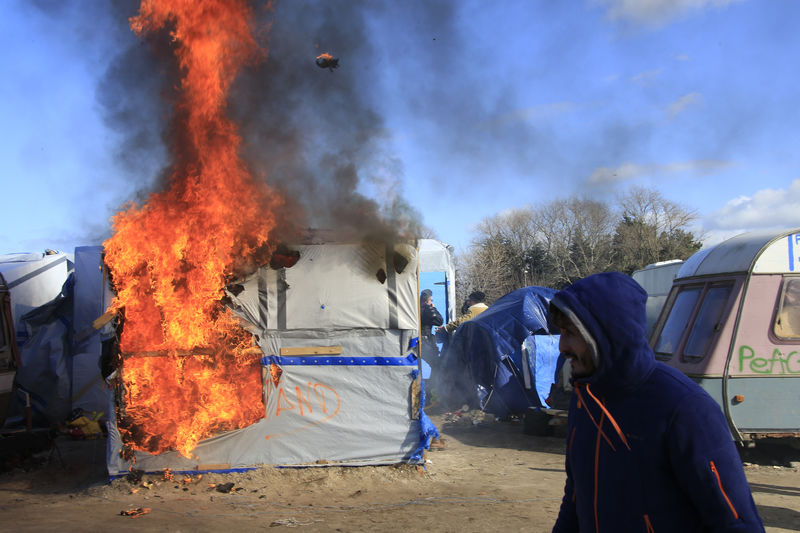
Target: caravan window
[[708, 321], [678, 319], [787, 319], [694, 320]]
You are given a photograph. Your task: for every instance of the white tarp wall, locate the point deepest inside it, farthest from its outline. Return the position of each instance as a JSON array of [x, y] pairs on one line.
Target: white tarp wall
[[436, 256], [33, 279], [360, 406], [39, 300]]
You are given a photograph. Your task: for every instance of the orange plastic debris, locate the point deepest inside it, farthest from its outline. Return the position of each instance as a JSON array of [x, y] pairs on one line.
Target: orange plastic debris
[[135, 513]]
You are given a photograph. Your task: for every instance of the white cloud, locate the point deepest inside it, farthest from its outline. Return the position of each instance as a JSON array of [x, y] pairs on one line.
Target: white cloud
[[766, 209], [683, 102], [656, 12], [682, 57], [645, 78], [538, 113], [631, 171], [535, 114]]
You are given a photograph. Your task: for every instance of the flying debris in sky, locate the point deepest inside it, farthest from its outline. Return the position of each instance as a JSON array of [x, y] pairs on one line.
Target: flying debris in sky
[[325, 60]]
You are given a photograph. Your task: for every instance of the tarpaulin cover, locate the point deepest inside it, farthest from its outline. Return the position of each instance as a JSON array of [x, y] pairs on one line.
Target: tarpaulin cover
[[45, 373], [356, 406], [334, 287], [483, 366], [540, 364], [332, 413], [40, 296], [436, 256], [33, 279]]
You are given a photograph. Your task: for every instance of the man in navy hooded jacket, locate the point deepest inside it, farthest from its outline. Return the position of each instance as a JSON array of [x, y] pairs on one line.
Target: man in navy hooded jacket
[[647, 448]]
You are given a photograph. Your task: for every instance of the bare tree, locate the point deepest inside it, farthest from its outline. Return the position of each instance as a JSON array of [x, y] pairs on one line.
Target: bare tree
[[577, 235], [560, 242], [496, 261], [652, 229], [551, 246]]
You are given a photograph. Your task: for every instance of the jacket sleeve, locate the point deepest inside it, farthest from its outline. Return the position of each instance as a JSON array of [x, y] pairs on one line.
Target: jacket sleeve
[[436, 317], [567, 521], [708, 468], [450, 327]]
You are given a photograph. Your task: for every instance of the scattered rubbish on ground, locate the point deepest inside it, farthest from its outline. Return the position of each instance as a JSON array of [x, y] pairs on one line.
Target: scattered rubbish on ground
[[291, 522], [466, 417], [85, 425], [224, 487], [135, 513]]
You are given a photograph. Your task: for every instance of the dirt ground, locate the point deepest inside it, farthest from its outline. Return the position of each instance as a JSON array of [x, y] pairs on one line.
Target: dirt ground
[[490, 477]]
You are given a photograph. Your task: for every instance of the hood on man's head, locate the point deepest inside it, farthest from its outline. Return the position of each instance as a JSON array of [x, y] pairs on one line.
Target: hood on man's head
[[558, 306], [611, 307]]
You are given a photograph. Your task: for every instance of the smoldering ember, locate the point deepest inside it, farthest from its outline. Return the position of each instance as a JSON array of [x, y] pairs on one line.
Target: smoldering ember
[[260, 344]]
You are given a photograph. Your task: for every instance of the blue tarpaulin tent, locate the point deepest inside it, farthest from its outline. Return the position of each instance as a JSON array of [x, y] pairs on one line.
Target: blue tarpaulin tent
[[504, 360]]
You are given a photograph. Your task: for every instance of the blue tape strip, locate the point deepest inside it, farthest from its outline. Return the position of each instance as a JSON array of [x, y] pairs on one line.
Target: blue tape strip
[[413, 343], [326, 360]]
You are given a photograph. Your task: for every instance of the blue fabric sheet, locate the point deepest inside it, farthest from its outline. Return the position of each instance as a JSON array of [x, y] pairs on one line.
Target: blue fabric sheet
[[483, 363]]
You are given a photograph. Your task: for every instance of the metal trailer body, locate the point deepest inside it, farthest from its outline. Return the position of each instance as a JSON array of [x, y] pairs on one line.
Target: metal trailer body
[[657, 280], [732, 323]]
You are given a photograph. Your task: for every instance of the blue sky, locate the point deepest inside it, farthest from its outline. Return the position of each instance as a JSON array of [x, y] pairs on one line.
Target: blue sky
[[482, 107]]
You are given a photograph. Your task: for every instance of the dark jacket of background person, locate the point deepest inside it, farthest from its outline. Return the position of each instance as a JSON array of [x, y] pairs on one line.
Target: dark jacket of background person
[[647, 448], [429, 317]]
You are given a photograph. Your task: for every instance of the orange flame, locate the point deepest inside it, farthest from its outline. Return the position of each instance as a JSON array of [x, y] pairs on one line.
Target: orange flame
[[170, 258]]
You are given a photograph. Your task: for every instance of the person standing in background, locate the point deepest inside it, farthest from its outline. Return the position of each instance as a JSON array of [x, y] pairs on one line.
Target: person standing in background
[[474, 306], [429, 318]]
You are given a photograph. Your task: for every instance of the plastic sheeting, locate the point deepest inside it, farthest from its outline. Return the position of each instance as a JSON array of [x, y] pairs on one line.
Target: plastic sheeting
[[40, 296], [33, 279], [59, 347], [360, 406], [316, 414], [483, 365], [333, 287], [45, 372], [539, 366], [436, 256]]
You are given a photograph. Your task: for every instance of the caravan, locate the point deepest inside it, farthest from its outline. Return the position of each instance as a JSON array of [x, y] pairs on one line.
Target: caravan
[[732, 322]]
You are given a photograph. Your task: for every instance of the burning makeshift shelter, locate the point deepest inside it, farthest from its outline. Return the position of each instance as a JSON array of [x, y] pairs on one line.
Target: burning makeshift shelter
[[336, 380], [231, 351]]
